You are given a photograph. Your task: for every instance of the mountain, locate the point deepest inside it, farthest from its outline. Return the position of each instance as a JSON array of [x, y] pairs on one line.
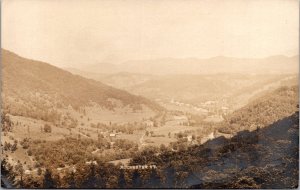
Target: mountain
[[89, 75], [121, 80], [195, 88], [31, 86], [220, 64], [232, 90]]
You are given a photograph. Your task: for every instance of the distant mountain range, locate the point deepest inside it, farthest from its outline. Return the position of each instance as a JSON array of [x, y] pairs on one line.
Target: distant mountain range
[[237, 88], [274, 64]]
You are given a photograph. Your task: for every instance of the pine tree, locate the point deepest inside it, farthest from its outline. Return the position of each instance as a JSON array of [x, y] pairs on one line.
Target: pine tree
[[48, 182], [136, 179], [102, 174], [170, 177], [154, 179], [90, 180], [20, 171], [71, 181], [122, 181]]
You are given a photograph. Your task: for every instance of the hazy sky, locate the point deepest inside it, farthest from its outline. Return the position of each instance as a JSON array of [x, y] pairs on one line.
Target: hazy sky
[[70, 33]]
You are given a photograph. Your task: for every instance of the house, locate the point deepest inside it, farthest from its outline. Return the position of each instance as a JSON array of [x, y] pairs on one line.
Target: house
[[225, 110], [112, 144], [112, 136], [149, 123], [209, 137], [72, 169], [59, 169], [91, 162]]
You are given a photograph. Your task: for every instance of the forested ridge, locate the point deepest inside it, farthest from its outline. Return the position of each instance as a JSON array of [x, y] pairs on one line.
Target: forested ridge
[[263, 111], [36, 89]]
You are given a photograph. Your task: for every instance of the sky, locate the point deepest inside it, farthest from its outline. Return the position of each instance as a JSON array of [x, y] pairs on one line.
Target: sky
[[74, 33]]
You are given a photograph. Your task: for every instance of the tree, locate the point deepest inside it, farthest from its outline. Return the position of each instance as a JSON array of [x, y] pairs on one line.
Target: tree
[[181, 179], [193, 137], [154, 180], [162, 148], [136, 179], [151, 132], [180, 135], [71, 181], [20, 171], [147, 133], [90, 180], [122, 181], [100, 137], [7, 146], [47, 128], [39, 171], [14, 147], [170, 177], [48, 182]]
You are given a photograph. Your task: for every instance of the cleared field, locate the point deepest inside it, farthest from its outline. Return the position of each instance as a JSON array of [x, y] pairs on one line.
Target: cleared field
[[132, 137], [32, 128], [124, 115], [164, 130], [124, 162], [161, 134]]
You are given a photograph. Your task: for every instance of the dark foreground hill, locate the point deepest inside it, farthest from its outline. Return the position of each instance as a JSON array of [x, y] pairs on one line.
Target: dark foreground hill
[[266, 158]]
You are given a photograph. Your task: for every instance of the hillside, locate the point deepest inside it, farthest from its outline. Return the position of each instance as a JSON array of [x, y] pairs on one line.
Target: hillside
[[263, 111], [29, 84], [266, 157]]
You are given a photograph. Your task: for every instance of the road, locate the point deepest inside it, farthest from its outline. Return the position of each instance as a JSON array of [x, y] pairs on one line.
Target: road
[[142, 140]]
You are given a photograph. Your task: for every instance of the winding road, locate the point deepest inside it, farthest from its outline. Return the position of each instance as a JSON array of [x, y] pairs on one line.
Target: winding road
[[142, 140]]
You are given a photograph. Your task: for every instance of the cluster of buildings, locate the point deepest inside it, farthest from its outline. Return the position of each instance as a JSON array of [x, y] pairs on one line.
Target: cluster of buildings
[[208, 107]]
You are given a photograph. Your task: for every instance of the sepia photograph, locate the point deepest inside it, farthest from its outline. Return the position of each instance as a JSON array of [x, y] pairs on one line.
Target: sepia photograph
[[139, 94]]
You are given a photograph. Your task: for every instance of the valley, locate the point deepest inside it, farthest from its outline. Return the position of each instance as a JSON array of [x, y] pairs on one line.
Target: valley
[[210, 96], [114, 94], [61, 122]]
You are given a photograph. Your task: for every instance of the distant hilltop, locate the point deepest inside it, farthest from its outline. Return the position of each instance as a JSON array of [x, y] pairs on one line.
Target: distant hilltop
[[275, 64]]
